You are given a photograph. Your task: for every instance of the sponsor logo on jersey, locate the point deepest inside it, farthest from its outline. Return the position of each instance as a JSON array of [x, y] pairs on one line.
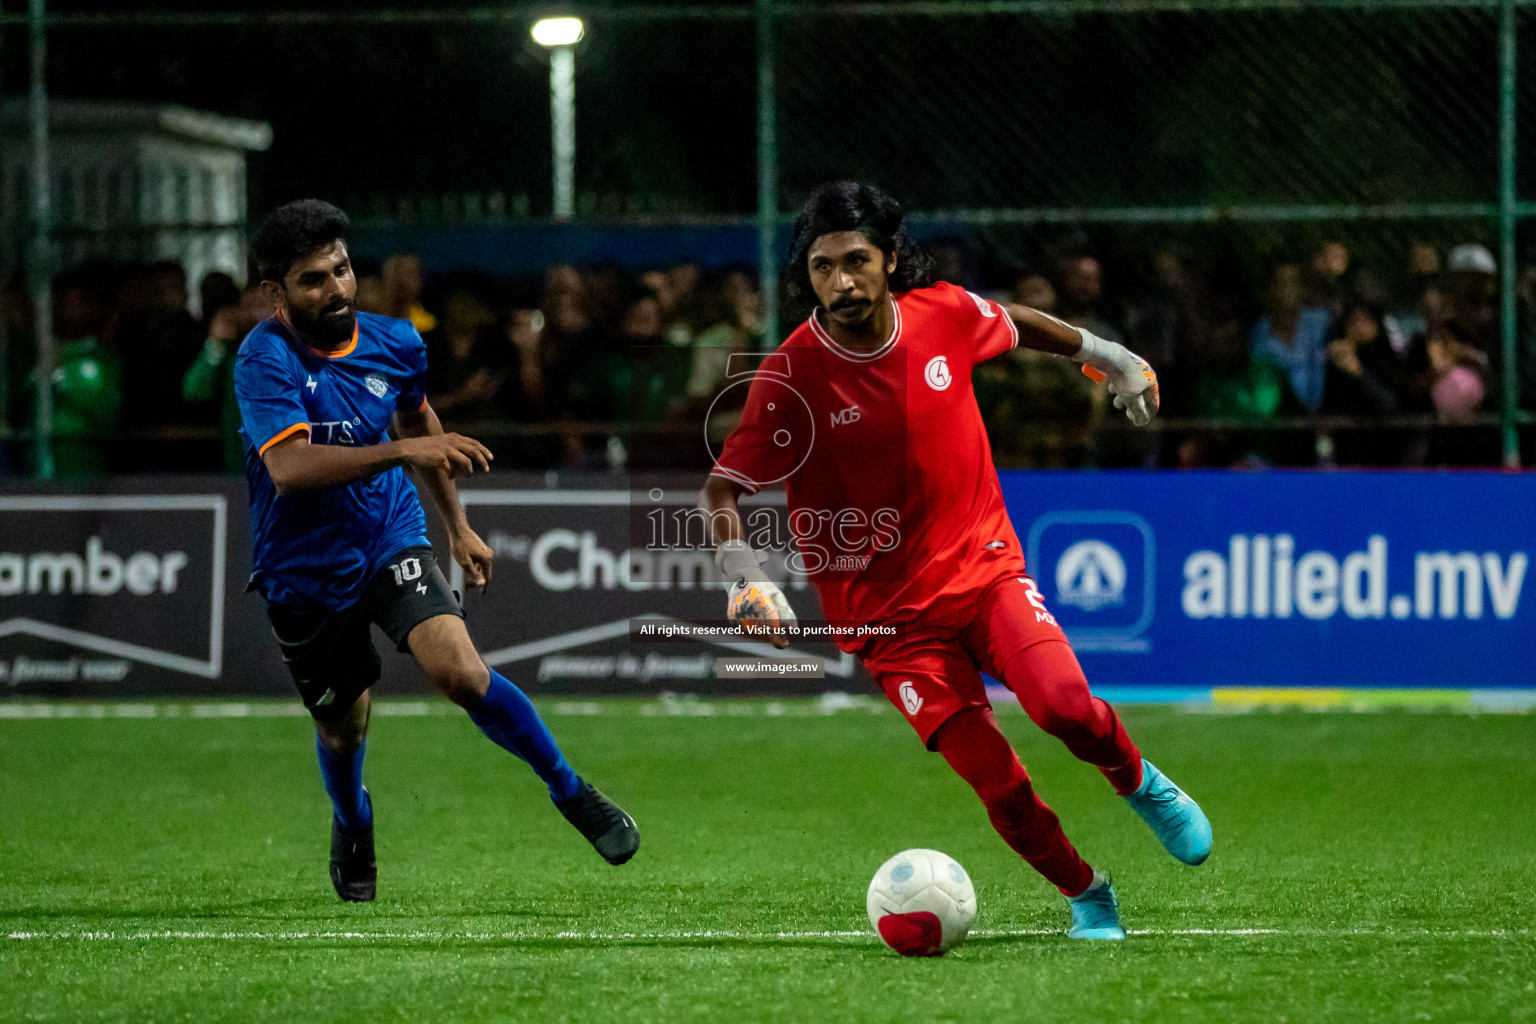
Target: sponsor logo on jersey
[[377, 385], [843, 417], [311, 384], [1090, 575], [909, 697], [936, 373]]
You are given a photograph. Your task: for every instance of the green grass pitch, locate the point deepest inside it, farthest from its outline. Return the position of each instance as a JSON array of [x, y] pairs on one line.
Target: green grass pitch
[[1369, 867]]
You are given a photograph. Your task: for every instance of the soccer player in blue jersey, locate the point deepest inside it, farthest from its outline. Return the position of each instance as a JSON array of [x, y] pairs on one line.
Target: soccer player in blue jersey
[[340, 537]]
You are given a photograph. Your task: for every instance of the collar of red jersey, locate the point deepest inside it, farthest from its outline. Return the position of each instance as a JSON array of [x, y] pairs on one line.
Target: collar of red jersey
[[826, 338]]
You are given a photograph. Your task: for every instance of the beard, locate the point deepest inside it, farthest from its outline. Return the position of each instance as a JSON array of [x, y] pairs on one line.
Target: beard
[[333, 327]]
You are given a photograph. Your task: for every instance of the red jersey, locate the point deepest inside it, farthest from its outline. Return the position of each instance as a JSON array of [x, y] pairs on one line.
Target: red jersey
[[892, 497]]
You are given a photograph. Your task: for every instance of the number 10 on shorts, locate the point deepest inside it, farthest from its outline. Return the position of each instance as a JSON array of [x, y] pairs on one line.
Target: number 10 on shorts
[[406, 570]]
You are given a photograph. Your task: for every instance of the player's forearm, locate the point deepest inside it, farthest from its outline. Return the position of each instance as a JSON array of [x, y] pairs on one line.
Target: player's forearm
[[439, 484], [719, 500], [1043, 332], [297, 465]]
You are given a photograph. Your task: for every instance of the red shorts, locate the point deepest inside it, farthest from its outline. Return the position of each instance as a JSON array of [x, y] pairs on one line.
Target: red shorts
[[932, 673]]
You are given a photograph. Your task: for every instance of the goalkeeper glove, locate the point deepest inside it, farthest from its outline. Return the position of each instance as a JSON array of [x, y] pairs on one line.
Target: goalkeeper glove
[[1130, 379], [755, 603]]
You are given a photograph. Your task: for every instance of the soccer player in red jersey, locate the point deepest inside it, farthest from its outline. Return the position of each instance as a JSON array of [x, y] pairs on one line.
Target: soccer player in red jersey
[[867, 415]]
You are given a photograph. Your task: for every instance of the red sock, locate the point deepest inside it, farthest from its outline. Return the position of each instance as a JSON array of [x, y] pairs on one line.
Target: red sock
[[980, 754]]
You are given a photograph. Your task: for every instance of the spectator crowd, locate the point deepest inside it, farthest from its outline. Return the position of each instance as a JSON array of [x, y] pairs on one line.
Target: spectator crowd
[[592, 367]]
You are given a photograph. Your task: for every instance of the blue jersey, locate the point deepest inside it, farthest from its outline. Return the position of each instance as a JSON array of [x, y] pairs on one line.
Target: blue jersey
[[317, 548]]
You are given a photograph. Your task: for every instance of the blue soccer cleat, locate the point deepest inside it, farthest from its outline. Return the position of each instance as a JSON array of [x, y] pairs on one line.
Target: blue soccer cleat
[[1177, 821], [1096, 913]]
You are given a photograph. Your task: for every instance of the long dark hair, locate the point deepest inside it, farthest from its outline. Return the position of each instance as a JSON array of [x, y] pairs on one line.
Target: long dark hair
[[850, 206]]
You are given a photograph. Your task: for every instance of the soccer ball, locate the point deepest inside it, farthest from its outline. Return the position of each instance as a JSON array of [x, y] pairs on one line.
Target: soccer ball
[[921, 903]]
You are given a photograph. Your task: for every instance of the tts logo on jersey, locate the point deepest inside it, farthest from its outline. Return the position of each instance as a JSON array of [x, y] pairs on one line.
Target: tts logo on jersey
[[1100, 567]]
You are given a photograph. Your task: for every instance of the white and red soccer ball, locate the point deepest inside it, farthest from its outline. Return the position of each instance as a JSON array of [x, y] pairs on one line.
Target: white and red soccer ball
[[921, 903]]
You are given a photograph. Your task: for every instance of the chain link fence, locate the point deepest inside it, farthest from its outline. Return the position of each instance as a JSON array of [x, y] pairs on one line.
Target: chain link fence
[[1234, 134]]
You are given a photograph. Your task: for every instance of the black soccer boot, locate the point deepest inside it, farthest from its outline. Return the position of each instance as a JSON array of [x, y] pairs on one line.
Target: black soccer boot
[[353, 871], [610, 831]]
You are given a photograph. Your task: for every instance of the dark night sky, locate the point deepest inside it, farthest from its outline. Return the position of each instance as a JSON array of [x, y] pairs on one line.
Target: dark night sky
[[1322, 106], [663, 110]]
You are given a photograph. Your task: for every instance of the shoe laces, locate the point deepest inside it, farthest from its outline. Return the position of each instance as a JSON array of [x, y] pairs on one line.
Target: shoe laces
[[1098, 903], [1163, 792]]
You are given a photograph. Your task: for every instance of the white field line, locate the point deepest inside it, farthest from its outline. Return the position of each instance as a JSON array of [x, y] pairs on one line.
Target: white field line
[[663, 705], [598, 936]]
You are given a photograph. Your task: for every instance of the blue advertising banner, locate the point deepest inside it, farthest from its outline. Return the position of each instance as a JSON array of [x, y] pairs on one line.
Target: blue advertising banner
[[1286, 579]]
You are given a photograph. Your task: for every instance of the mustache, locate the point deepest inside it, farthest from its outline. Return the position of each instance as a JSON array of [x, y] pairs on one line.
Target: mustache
[[340, 307], [849, 304]]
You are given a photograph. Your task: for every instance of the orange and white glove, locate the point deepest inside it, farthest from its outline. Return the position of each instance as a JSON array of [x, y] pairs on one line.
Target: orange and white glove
[[1129, 378], [755, 602]]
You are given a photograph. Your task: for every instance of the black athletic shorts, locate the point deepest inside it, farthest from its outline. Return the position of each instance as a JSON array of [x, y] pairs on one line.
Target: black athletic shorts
[[331, 655]]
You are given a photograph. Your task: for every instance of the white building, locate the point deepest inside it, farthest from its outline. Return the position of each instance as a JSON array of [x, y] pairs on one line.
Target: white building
[[133, 182]]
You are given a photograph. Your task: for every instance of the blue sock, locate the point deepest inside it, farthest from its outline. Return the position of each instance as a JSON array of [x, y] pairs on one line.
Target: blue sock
[[343, 775], [508, 718]]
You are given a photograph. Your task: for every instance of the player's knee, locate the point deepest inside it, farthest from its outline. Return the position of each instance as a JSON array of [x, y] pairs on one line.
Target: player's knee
[[340, 738], [463, 682]]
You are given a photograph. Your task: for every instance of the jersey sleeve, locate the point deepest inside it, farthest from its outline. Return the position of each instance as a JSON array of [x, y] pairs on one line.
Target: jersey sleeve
[[774, 435], [413, 390], [987, 328], [268, 395]]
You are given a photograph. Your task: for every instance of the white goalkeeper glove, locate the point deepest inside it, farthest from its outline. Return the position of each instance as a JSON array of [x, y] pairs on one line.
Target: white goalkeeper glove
[[755, 603], [1128, 376]]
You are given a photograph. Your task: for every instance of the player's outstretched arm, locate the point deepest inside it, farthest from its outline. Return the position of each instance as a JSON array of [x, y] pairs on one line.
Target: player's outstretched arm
[[755, 602], [471, 553], [1129, 377]]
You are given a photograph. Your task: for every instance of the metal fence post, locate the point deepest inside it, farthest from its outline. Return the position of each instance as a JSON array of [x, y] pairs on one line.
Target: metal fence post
[[767, 176], [1507, 298], [41, 263]]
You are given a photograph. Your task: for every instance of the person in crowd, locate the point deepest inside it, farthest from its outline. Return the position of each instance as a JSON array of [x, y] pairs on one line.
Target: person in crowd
[[1293, 335], [535, 390], [1368, 379], [1167, 325], [87, 377], [685, 319], [1326, 276], [1457, 359], [16, 355], [467, 363], [1231, 382], [1031, 403], [1036, 292], [209, 383], [655, 370], [156, 335], [217, 291], [371, 295], [403, 284], [1081, 290], [1420, 302], [736, 327]]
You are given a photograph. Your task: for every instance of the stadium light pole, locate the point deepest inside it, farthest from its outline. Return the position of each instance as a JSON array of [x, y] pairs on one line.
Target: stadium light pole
[[560, 36]]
